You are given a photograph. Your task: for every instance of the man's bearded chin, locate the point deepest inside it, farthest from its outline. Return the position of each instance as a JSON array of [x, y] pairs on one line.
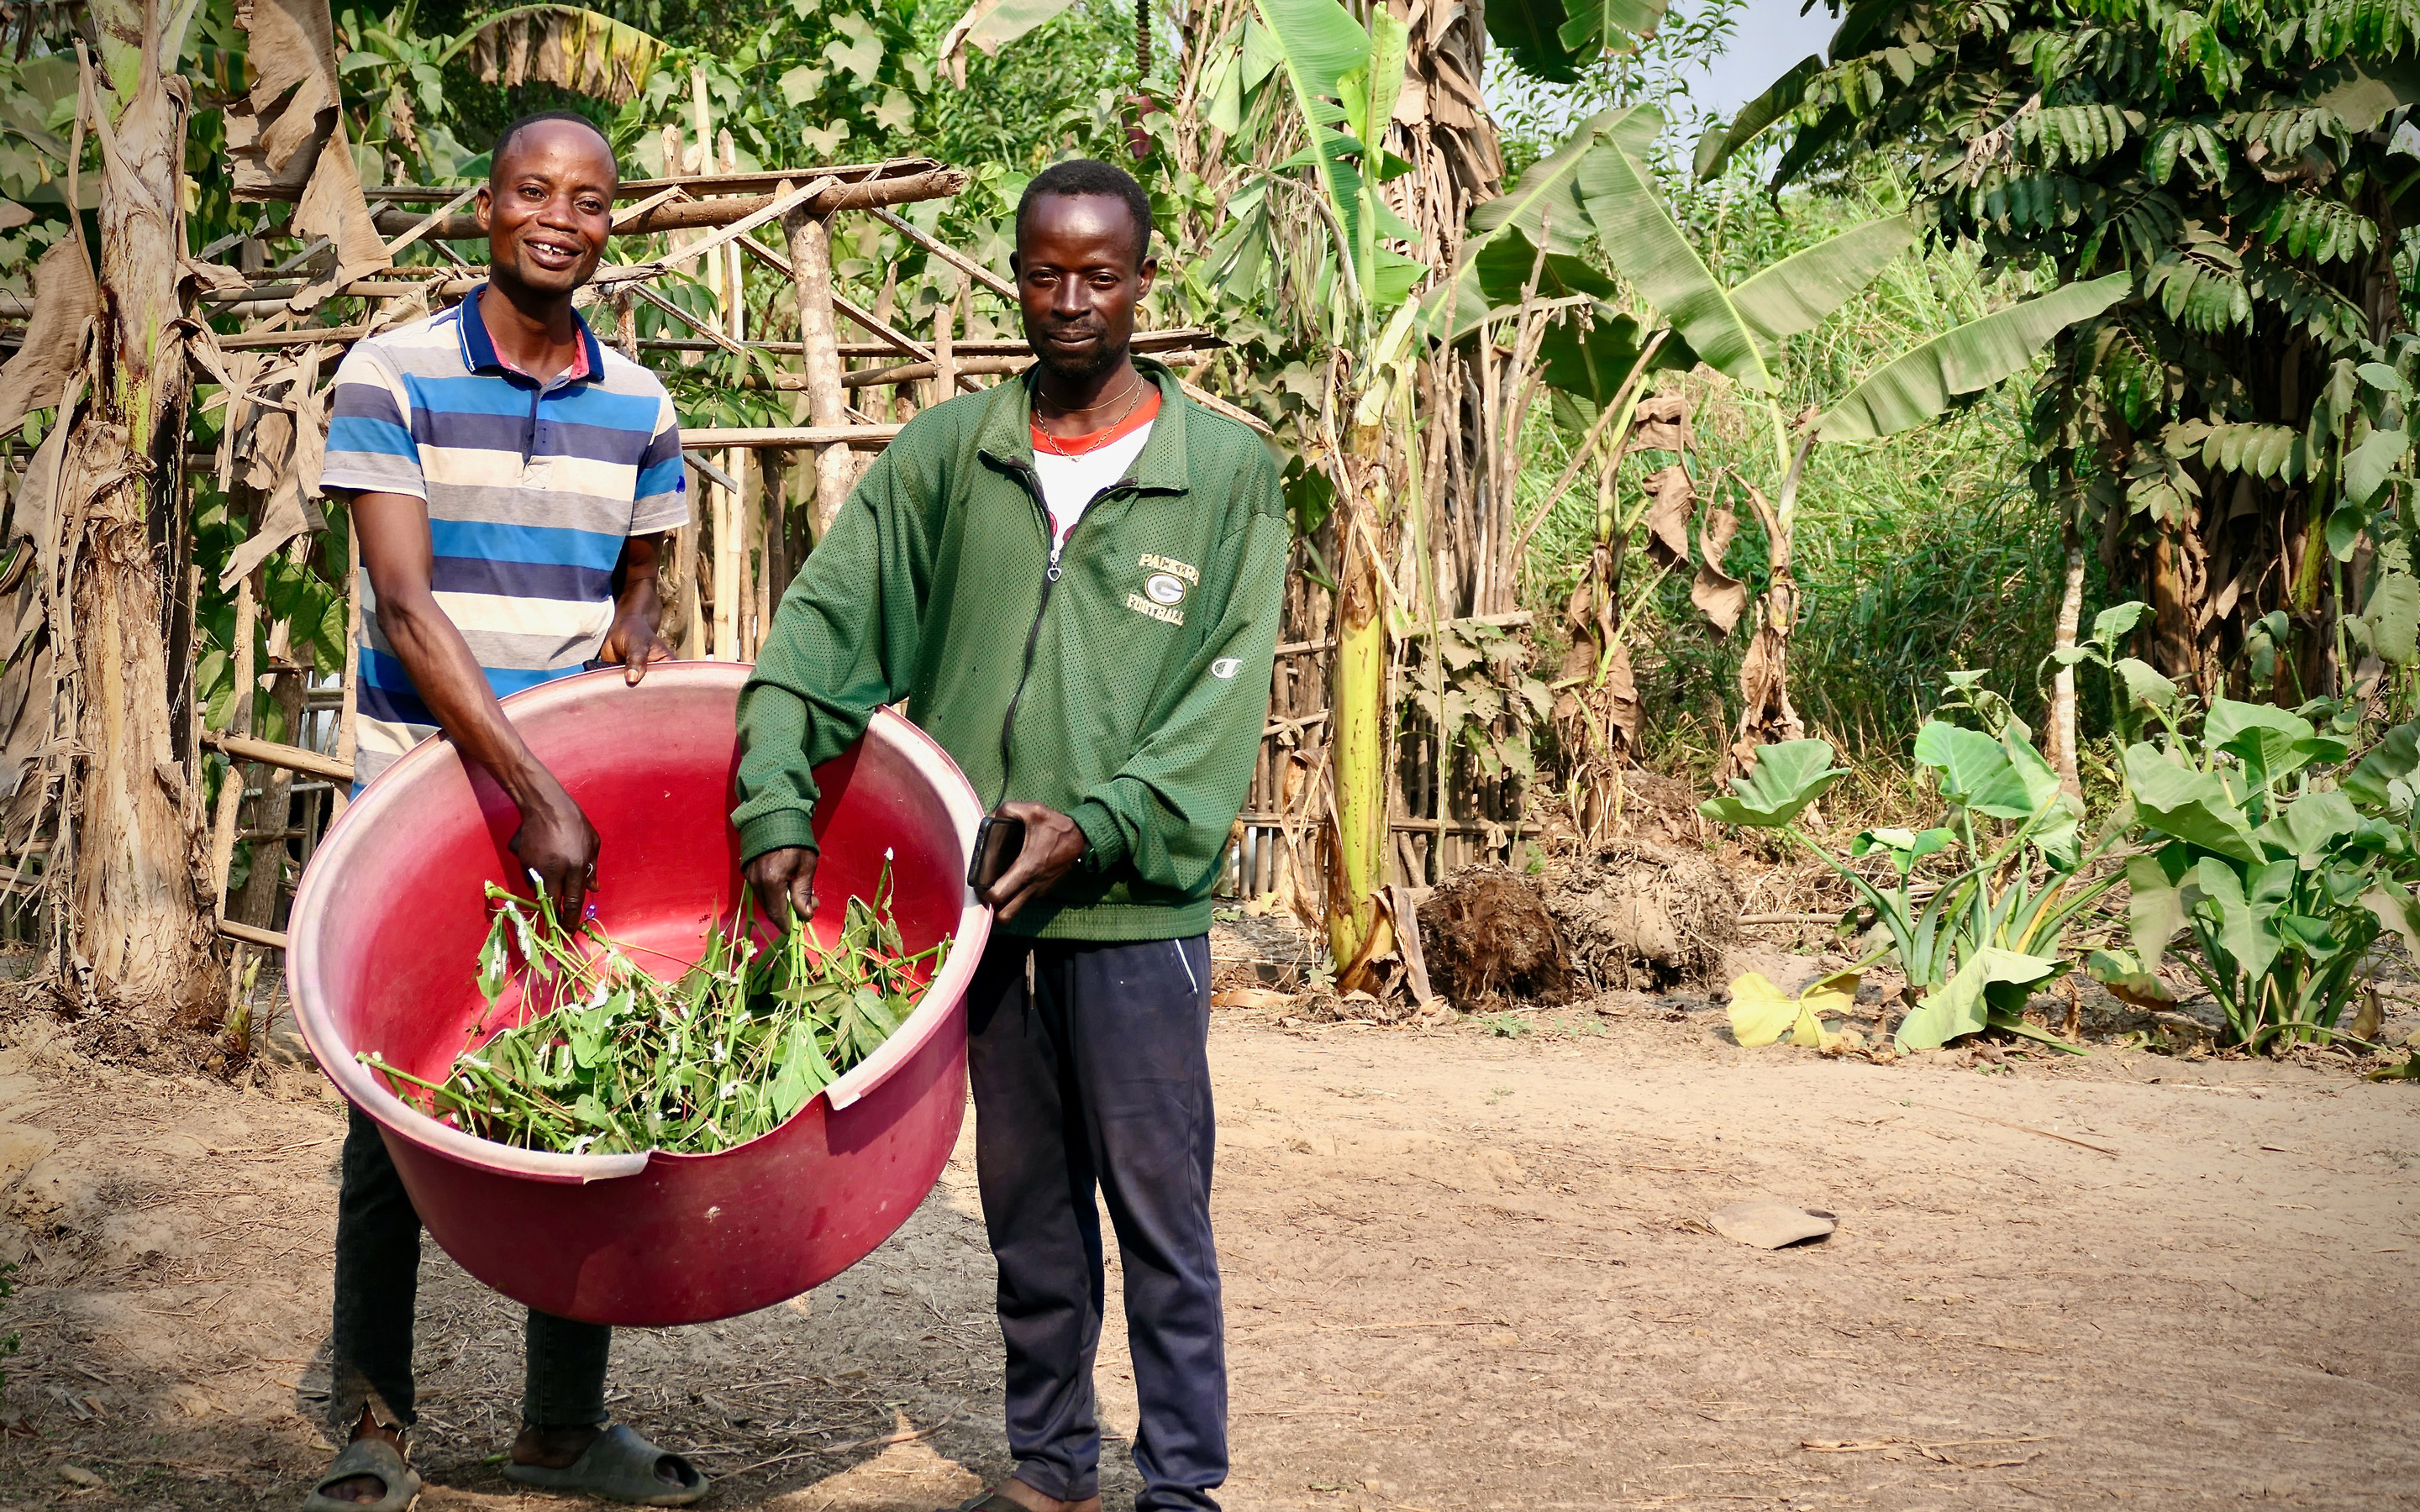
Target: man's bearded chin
[[1102, 358]]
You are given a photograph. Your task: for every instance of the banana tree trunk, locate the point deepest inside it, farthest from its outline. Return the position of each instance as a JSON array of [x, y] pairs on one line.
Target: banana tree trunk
[[1766, 717], [1357, 931], [140, 862]]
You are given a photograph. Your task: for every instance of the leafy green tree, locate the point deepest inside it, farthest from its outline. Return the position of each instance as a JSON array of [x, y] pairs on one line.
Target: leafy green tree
[[1535, 112], [2236, 431]]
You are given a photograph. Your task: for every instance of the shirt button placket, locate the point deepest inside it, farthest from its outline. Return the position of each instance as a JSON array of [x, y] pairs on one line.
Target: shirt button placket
[[532, 466]]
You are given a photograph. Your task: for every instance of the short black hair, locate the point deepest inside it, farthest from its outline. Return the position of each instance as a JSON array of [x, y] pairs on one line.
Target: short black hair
[[504, 138], [1090, 176]]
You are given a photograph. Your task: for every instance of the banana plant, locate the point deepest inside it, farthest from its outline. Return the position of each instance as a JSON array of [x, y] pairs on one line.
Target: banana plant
[[1596, 186], [1340, 74]]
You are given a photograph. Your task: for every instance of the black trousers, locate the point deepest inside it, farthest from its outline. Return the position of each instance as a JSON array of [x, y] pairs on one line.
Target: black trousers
[[378, 1282], [1096, 1076]]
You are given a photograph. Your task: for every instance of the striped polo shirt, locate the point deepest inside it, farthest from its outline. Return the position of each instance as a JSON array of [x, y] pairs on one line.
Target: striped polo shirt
[[531, 489]]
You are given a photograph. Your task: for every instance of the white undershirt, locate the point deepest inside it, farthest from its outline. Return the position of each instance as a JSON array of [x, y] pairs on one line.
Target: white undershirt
[[1070, 484]]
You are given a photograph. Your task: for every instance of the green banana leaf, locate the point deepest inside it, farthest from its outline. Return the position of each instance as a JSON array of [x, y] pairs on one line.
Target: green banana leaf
[[1319, 46], [1505, 266], [1797, 292], [1371, 91], [1341, 74], [1917, 387], [1722, 142], [1592, 360], [1492, 277], [1861, 28], [1592, 363], [1809, 145], [1529, 31], [1639, 235], [1545, 201], [1553, 41], [1594, 26], [1543, 207]]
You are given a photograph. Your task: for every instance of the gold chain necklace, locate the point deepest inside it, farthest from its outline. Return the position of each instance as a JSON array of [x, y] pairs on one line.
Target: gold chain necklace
[[1103, 403], [1134, 399]]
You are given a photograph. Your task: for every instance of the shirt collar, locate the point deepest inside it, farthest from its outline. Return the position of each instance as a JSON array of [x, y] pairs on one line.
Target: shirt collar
[[480, 355], [1006, 434]]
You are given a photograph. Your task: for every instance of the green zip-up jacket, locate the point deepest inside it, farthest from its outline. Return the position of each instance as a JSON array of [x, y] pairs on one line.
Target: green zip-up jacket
[[1126, 688]]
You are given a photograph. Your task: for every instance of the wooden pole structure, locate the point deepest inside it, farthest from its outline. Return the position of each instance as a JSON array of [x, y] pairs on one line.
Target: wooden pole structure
[[239, 721], [810, 238], [730, 559], [349, 708], [945, 363]]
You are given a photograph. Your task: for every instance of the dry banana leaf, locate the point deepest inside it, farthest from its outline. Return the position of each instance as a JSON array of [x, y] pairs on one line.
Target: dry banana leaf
[[67, 301]]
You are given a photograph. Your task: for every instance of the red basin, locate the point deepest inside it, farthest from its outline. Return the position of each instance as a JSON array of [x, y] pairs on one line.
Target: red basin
[[386, 930]]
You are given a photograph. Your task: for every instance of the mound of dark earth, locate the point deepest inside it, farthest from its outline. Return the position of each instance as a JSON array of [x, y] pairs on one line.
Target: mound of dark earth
[[1643, 916], [1487, 936]]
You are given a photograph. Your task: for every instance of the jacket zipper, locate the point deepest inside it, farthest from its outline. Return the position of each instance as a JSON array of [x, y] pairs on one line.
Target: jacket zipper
[[1034, 633]]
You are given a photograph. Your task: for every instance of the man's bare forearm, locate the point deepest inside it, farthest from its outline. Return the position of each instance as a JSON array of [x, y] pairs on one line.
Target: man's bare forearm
[[638, 611], [398, 555], [641, 594], [453, 685]]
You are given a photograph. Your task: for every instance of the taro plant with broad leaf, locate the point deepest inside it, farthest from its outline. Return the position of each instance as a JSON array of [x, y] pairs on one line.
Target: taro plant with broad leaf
[[2283, 880], [1981, 941]]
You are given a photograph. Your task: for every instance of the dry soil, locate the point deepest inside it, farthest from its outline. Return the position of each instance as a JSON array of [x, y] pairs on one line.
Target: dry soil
[[1463, 1271]]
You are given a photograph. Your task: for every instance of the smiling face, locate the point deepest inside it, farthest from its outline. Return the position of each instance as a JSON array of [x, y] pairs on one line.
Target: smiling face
[[548, 206], [1077, 282]]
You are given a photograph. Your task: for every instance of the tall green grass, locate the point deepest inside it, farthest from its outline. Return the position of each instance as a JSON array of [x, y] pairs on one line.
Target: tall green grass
[[1915, 557]]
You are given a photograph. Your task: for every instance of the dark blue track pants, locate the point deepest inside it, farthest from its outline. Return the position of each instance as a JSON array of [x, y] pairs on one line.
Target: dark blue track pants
[[1091, 1071], [378, 1282]]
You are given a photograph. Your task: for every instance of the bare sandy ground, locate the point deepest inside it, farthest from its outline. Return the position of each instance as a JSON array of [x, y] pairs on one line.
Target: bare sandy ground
[[1463, 1271]]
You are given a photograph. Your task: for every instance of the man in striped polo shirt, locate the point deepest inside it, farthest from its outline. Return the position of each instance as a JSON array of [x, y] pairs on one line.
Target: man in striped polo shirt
[[507, 472]]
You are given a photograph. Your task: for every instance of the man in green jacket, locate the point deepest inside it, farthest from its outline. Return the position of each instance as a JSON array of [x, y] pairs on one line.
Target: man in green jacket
[[1074, 580]]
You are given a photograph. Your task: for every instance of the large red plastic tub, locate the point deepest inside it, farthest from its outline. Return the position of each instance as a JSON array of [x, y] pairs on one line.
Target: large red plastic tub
[[381, 956]]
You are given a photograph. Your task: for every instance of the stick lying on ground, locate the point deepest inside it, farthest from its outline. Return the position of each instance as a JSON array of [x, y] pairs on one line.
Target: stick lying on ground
[[616, 1060]]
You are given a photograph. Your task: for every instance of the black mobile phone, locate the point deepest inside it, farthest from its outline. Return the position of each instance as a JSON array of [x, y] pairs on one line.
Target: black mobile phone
[[997, 841]]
